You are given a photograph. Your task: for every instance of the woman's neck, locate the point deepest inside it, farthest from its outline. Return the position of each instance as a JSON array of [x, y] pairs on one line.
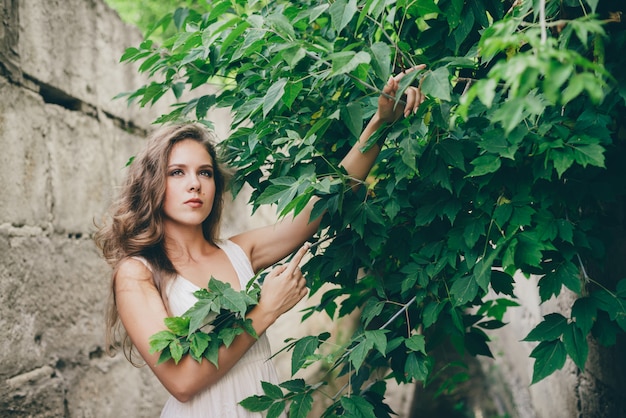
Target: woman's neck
[[186, 244]]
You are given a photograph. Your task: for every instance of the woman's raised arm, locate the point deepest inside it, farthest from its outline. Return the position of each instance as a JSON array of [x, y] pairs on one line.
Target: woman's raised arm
[[266, 246]]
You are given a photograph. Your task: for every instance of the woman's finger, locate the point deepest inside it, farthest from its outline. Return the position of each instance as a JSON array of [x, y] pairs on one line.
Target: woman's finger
[[411, 101], [390, 88], [295, 261], [400, 75]]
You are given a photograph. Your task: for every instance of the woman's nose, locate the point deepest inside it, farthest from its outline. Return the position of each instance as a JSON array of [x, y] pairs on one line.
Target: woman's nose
[[194, 184]]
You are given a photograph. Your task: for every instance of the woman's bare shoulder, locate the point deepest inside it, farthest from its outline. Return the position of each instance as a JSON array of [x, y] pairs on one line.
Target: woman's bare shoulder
[[132, 270]]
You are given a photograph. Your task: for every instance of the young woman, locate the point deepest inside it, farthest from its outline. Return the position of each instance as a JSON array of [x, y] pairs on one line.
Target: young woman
[[163, 244]]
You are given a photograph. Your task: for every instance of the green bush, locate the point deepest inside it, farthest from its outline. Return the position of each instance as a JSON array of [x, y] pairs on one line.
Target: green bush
[[514, 163]]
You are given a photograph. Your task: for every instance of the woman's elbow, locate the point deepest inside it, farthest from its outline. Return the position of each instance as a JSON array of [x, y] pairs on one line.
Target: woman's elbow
[[182, 393]]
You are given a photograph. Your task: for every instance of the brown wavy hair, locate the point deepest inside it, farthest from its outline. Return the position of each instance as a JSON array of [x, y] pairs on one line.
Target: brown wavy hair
[[135, 224]]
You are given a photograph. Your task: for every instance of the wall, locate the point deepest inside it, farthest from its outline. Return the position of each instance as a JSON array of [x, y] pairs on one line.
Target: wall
[[64, 144]]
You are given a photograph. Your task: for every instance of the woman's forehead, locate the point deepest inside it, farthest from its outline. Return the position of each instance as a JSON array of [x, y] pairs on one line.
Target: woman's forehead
[[189, 151]]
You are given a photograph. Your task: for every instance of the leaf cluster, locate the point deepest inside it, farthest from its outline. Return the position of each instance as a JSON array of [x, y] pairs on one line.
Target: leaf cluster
[[214, 320], [512, 165]]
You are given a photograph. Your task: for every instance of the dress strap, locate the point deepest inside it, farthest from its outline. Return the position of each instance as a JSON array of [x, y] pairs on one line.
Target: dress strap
[[143, 261], [239, 260]]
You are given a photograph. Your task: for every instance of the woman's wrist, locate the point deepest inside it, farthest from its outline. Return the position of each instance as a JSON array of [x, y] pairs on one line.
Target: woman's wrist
[[262, 318], [377, 123]]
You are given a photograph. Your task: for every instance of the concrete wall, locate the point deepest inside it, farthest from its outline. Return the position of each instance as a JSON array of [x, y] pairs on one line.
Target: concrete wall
[[64, 143]]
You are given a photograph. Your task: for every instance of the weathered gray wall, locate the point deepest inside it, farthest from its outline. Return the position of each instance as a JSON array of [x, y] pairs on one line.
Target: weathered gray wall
[[63, 146]]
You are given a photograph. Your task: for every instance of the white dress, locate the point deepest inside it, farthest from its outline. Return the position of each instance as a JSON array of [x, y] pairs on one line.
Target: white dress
[[221, 400]]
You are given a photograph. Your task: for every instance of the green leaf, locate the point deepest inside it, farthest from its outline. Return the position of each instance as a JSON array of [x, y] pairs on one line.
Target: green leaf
[[198, 314], [584, 312], [247, 326], [471, 234], [198, 342], [502, 282], [166, 355], [588, 154], [494, 324], [346, 61], [274, 95], [276, 410], [417, 367], [271, 390], [432, 311], [528, 250], [549, 357], [212, 351], [341, 13], [575, 343], [291, 93], [204, 104], [359, 352], [228, 335], [279, 22], [282, 192], [464, 289], [567, 273], [562, 160], [178, 325], [257, 403], [371, 310], [294, 385], [426, 7], [132, 54], [229, 298], [607, 302], [476, 343], [452, 153], [160, 340], [381, 62], [621, 289], [379, 339], [180, 15], [301, 405], [176, 350], [551, 328], [303, 349], [416, 343], [485, 164], [352, 115], [357, 407], [437, 84]]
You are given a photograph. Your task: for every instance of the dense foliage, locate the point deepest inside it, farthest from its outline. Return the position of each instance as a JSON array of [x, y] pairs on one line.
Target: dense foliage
[[513, 164]]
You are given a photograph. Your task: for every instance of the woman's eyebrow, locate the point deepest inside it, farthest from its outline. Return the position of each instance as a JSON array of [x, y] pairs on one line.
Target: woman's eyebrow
[[183, 165]]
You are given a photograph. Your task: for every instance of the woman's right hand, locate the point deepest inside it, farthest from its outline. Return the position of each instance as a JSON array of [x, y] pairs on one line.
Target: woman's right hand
[[284, 286], [388, 110]]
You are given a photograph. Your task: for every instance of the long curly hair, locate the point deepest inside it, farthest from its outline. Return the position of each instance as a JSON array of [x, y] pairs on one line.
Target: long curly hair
[[135, 224]]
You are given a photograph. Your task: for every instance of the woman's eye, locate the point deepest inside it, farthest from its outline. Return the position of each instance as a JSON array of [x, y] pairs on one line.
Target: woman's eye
[[206, 173], [176, 172]]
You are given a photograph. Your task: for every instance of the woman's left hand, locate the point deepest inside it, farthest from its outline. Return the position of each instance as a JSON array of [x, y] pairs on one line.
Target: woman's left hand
[[388, 111]]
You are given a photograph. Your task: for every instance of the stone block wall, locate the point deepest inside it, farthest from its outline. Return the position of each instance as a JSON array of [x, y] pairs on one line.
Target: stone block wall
[[63, 146]]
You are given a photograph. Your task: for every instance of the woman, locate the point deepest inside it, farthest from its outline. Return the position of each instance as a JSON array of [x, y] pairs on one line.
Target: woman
[[163, 244]]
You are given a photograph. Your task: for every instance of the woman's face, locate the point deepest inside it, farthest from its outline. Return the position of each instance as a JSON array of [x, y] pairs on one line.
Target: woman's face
[[190, 186]]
